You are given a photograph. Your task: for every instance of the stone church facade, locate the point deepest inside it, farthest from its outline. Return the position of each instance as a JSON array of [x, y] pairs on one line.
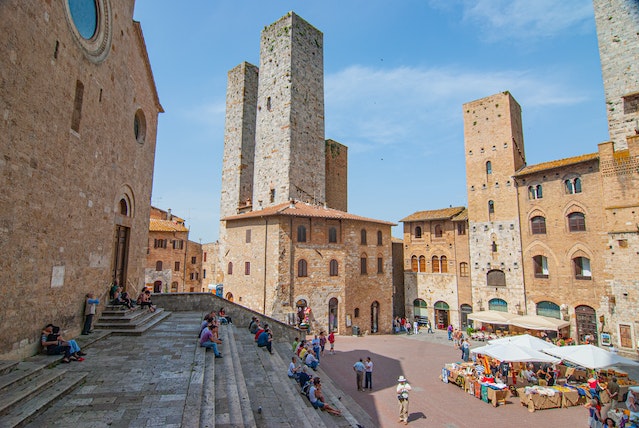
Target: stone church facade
[[79, 113], [287, 241], [559, 238]]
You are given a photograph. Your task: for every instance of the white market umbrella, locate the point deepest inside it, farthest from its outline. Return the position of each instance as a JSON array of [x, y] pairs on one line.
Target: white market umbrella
[[492, 317], [509, 352], [538, 322], [526, 340], [589, 356]]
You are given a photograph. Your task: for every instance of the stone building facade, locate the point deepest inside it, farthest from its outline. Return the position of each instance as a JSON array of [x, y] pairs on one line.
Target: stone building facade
[[436, 266], [212, 274], [280, 174], [296, 255], [79, 113], [173, 263]]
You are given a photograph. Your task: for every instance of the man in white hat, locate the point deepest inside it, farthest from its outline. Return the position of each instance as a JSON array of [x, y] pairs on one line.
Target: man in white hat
[[402, 395]]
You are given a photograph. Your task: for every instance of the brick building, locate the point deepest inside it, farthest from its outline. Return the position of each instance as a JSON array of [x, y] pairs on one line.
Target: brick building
[[79, 117], [286, 240], [559, 238], [173, 263]]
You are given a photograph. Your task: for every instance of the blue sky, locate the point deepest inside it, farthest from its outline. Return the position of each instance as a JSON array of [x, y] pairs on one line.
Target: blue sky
[[396, 76]]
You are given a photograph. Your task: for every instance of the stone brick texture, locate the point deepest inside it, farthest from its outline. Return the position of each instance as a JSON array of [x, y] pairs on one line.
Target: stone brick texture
[[62, 188]]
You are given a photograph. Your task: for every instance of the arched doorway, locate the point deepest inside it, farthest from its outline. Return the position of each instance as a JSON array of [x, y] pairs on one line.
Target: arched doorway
[[586, 324], [442, 319], [464, 310], [301, 306], [374, 316], [229, 297], [332, 315], [157, 287], [499, 305]]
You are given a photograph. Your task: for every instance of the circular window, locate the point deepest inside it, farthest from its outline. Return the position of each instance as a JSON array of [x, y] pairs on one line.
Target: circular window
[[90, 23], [139, 126], [85, 17]]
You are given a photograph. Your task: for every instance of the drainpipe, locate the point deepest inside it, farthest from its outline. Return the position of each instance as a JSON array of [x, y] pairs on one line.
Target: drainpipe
[[265, 262]]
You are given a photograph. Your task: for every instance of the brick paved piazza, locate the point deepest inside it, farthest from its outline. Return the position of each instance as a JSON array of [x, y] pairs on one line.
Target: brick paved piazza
[[432, 403]]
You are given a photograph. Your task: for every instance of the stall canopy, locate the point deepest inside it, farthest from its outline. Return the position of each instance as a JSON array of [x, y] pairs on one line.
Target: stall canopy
[[538, 322], [589, 356], [509, 353], [526, 340], [492, 317]]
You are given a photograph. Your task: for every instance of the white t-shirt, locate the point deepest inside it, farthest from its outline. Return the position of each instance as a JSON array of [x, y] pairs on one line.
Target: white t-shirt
[[311, 394], [369, 366], [291, 369]]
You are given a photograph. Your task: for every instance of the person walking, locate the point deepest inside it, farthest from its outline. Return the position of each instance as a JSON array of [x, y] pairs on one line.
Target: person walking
[[359, 369], [415, 326], [368, 380], [403, 387], [331, 340]]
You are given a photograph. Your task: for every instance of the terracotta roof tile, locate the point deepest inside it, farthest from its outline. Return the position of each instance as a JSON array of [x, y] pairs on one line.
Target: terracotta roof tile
[[441, 214], [556, 164], [157, 225], [302, 209]]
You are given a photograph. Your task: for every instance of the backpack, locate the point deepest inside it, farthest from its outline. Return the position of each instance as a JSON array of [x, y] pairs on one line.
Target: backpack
[[306, 388]]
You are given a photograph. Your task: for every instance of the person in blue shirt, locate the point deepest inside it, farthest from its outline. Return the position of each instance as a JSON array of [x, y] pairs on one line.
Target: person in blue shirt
[[264, 340]]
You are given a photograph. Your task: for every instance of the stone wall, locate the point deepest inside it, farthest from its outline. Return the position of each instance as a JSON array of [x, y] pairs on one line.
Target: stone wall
[[336, 175], [72, 168], [617, 27]]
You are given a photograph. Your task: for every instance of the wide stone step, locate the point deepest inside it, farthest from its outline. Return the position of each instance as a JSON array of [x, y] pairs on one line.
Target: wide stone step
[[133, 326], [21, 372], [9, 399], [7, 365], [38, 396]]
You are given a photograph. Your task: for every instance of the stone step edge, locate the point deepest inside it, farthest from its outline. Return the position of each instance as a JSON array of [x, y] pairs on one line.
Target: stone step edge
[[21, 373], [124, 322], [12, 398], [140, 329]]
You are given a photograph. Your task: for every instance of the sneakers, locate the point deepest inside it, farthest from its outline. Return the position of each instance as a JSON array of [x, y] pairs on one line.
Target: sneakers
[[82, 354], [218, 356]]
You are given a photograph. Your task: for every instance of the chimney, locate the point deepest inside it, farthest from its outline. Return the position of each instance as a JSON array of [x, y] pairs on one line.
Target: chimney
[[291, 203], [168, 214]]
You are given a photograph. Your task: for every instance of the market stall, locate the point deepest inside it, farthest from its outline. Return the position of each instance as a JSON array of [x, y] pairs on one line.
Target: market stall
[[470, 378]]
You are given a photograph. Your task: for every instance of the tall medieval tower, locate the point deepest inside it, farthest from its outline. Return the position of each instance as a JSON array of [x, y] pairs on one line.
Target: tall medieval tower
[[617, 24], [289, 138], [494, 146]]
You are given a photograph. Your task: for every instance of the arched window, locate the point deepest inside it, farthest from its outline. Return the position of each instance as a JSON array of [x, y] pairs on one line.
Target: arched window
[[444, 264], [158, 265], [333, 268], [301, 233], [576, 222], [356, 313], [174, 287], [463, 269], [422, 264], [489, 167], [577, 185], [434, 264], [548, 309], [363, 269], [420, 308], [124, 207], [302, 268], [491, 207], [535, 192], [573, 185], [379, 237], [418, 232], [332, 235], [363, 237], [498, 305], [413, 264], [540, 264], [582, 268], [496, 278], [538, 225], [438, 231], [229, 269]]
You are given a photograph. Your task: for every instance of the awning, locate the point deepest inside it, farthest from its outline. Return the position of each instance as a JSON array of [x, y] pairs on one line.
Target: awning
[[538, 322], [589, 356], [510, 352], [526, 340], [492, 317]]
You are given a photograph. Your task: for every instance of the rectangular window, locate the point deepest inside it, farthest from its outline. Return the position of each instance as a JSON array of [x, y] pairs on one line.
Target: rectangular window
[[177, 267], [159, 243], [248, 236], [193, 260], [461, 228], [178, 244], [363, 269], [192, 276], [204, 257], [625, 336], [247, 268], [463, 269], [380, 265], [204, 273], [77, 106]]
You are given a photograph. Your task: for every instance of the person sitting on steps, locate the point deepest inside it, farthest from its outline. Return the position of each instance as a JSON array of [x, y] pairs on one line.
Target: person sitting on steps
[[54, 344], [209, 340]]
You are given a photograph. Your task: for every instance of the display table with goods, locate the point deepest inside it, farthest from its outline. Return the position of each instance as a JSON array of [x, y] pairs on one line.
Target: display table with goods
[[549, 397], [471, 379]]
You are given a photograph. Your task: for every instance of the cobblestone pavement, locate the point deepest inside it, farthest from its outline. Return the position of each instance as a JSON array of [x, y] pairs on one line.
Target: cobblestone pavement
[[432, 403], [133, 381]]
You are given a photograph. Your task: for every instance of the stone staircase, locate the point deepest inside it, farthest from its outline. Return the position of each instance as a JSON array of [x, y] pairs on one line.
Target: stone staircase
[[123, 321]]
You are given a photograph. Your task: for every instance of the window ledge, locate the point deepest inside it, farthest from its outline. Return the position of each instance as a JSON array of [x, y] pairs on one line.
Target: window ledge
[[587, 278], [541, 276]]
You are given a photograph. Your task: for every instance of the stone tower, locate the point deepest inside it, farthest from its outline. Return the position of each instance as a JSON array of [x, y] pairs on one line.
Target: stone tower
[[494, 146], [617, 29], [239, 139], [289, 136]]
